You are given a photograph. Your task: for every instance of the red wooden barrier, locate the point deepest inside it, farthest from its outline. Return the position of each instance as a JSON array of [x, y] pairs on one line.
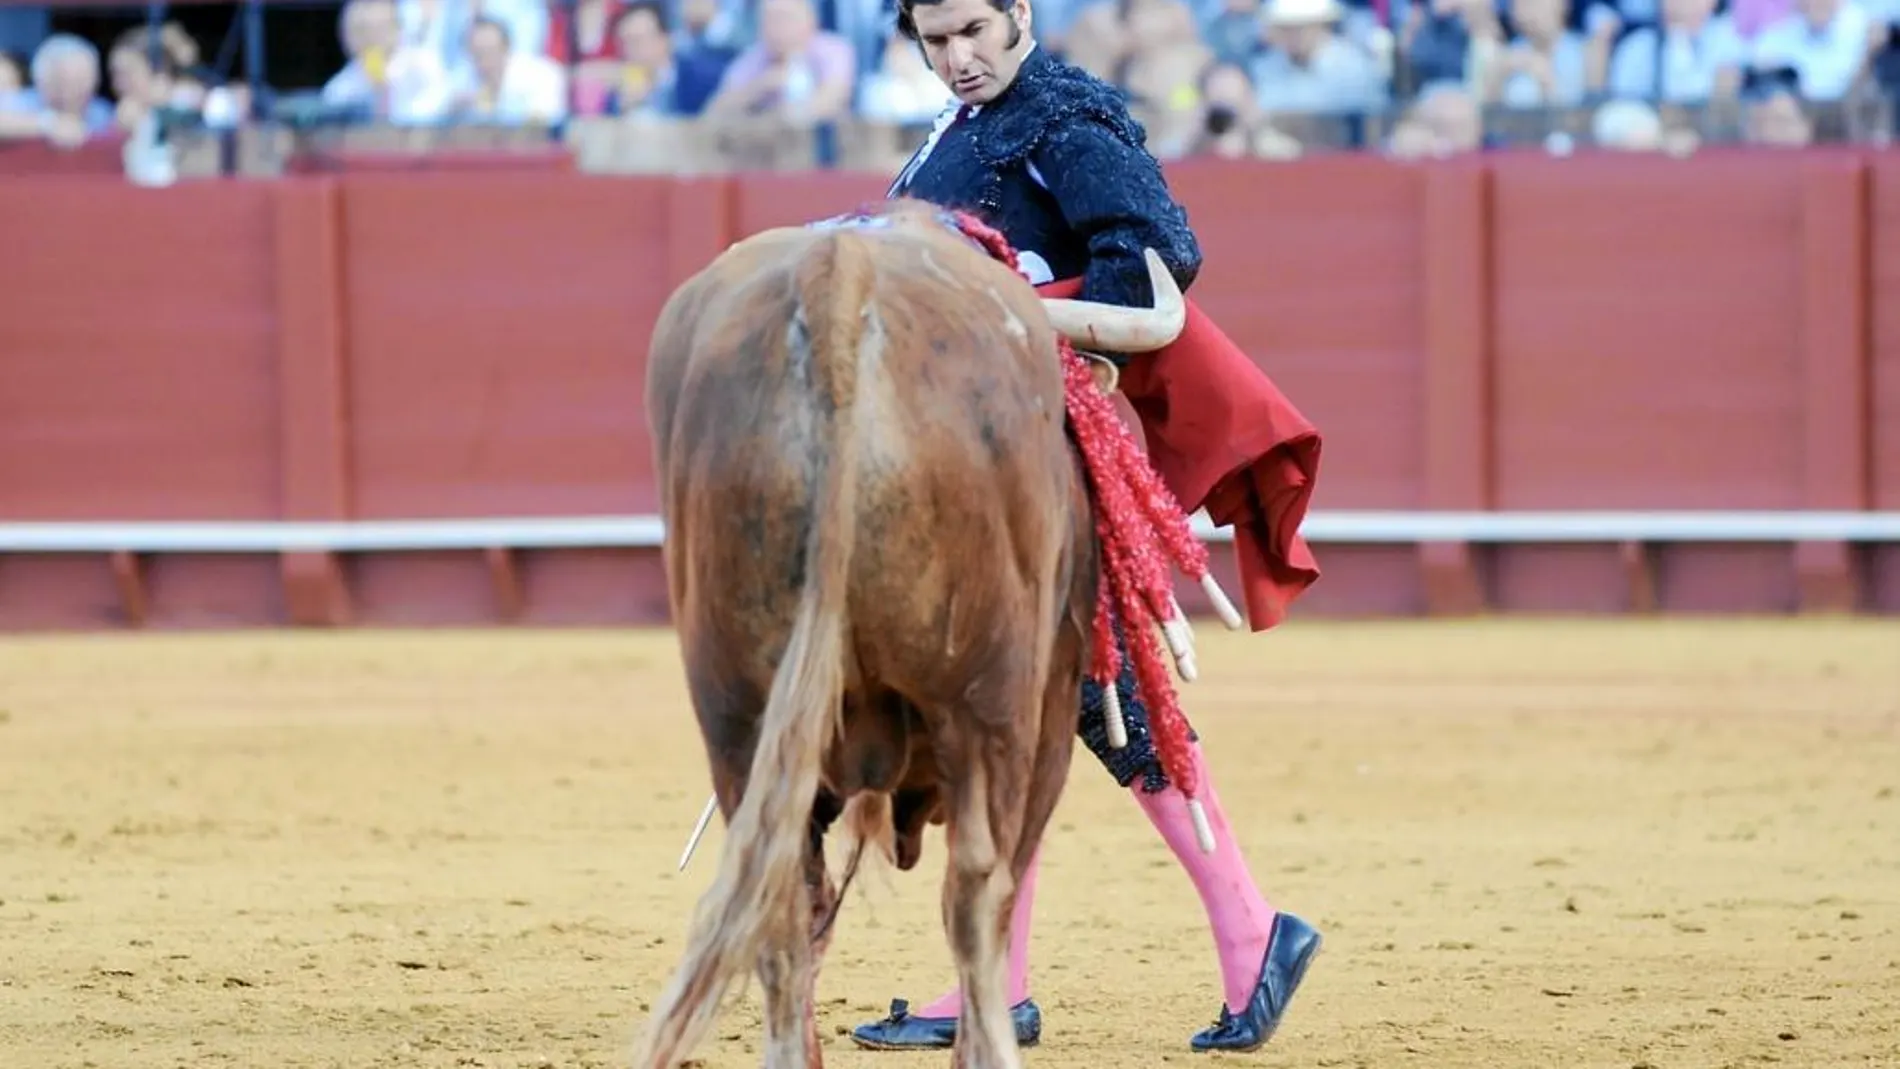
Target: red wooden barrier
[[1521, 332]]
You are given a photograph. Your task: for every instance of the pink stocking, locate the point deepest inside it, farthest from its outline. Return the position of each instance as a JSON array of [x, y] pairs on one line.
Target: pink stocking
[[951, 1005], [1241, 919]]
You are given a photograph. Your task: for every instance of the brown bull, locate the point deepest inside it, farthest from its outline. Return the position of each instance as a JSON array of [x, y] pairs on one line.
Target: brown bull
[[882, 568]]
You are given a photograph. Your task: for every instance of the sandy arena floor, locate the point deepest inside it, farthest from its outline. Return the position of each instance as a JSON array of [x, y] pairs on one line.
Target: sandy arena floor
[[1528, 844]]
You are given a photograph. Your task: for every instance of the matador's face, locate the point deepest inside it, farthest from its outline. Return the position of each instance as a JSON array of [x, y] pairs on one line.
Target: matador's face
[[975, 48]]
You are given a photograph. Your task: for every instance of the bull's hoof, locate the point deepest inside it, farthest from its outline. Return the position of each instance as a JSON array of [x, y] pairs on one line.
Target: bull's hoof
[[1290, 950], [901, 1031]]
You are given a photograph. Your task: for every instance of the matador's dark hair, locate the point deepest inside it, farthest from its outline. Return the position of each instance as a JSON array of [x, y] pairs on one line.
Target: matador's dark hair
[[908, 26]]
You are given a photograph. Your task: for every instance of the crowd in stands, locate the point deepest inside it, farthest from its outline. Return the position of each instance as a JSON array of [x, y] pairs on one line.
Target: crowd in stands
[[1264, 78]]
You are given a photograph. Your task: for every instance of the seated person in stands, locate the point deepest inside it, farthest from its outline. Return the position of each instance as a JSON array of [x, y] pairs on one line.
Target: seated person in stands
[[1627, 126], [12, 77], [655, 75], [1233, 31], [903, 90], [144, 76], [1544, 65], [1449, 42], [1826, 43], [61, 105], [795, 71], [594, 63], [1444, 120], [502, 84], [527, 23], [1773, 115], [1310, 67], [386, 80], [1702, 57], [1230, 114]]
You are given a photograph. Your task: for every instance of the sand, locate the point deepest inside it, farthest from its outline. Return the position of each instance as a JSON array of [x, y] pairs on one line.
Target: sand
[[1528, 843]]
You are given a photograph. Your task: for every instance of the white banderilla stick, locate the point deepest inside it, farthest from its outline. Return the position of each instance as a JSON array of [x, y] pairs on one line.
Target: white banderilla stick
[[699, 830]]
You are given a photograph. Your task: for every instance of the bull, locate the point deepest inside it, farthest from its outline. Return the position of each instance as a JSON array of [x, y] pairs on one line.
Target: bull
[[882, 566]]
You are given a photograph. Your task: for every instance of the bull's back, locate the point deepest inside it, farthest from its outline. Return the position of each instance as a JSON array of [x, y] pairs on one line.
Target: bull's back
[[966, 491], [738, 443], [962, 480]]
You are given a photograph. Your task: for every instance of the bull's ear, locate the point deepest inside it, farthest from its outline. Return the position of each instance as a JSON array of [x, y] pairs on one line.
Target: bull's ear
[[1114, 329]]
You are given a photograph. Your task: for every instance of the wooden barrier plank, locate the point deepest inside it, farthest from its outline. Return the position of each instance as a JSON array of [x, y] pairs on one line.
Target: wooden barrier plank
[[1648, 340], [497, 339], [138, 339], [1836, 441], [313, 423], [1457, 373], [1880, 565], [137, 353]]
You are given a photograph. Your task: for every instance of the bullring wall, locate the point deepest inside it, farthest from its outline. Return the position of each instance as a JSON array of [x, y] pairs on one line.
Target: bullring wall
[[1515, 333]]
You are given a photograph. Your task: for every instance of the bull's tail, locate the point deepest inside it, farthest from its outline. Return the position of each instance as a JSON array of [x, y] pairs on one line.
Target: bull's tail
[[754, 900]]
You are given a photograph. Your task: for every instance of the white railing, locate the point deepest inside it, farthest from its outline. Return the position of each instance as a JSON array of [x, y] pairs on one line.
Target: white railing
[[646, 531]]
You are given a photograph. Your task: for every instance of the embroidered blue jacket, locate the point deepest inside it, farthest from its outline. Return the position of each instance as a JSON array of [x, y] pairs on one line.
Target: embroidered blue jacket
[[1059, 166]]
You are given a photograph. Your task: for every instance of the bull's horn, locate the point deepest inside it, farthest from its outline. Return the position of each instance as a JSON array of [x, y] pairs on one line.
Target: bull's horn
[[1111, 328]]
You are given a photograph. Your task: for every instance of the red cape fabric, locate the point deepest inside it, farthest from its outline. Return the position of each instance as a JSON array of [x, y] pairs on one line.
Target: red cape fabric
[[1224, 438]]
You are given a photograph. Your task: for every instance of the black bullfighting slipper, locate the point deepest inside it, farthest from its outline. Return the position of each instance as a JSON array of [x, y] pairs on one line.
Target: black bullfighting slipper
[[901, 1031], [1289, 950]]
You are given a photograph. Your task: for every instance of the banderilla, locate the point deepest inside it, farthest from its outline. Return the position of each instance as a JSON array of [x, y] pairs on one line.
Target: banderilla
[[699, 830]]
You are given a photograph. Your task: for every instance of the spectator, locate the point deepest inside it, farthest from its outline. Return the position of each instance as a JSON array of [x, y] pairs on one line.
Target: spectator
[[720, 25], [795, 72], [1230, 115], [440, 26], [1753, 16], [700, 48], [904, 89], [1309, 67], [21, 27], [1883, 67], [1606, 22], [1444, 120], [1773, 115], [526, 21], [1234, 31], [62, 103], [1450, 41], [193, 86], [12, 77], [1097, 40], [653, 78], [1626, 126], [1544, 65], [1162, 73], [388, 80], [1702, 57], [603, 63], [1825, 42], [598, 55], [502, 84], [143, 74]]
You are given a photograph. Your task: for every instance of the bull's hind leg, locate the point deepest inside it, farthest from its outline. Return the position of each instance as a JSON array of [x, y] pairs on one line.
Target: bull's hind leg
[[728, 709], [823, 894], [785, 979], [993, 767], [788, 970], [978, 892]]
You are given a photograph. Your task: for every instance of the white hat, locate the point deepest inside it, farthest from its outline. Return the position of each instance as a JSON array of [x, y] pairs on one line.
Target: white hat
[[1302, 12]]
